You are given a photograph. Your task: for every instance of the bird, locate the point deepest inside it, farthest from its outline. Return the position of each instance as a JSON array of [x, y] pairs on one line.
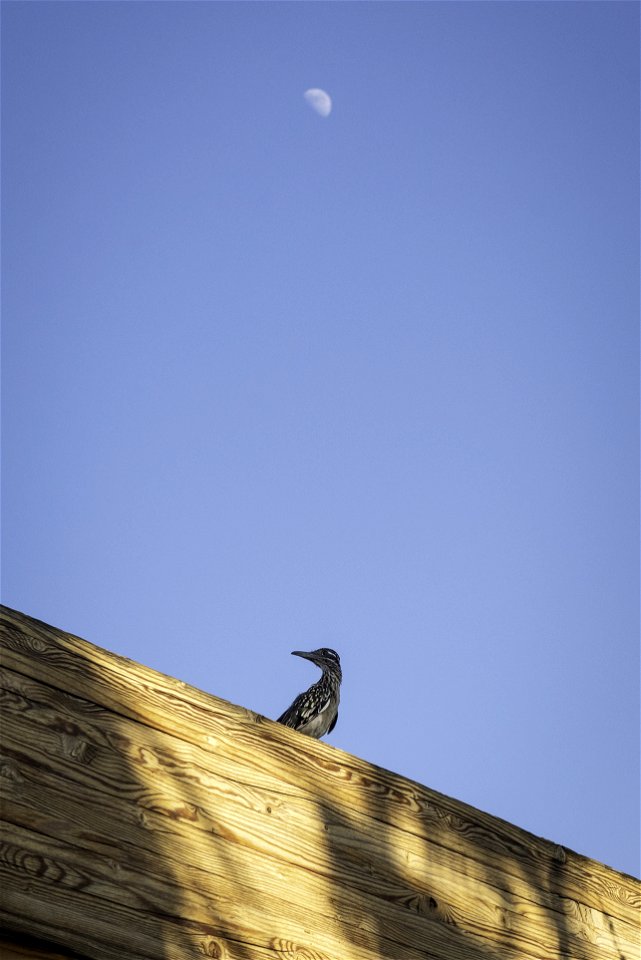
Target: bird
[[315, 711]]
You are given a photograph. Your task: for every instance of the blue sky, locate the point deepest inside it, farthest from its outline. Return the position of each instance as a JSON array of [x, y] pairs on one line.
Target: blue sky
[[274, 381]]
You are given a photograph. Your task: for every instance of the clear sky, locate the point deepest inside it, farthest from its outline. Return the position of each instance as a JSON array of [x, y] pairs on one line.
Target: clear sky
[[275, 380]]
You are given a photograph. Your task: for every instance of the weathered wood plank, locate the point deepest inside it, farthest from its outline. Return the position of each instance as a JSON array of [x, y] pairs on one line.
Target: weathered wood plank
[[162, 799], [117, 932], [218, 858], [172, 898], [170, 705], [199, 803]]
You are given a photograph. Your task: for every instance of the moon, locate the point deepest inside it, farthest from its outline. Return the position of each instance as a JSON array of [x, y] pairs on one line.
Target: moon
[[319, 101]]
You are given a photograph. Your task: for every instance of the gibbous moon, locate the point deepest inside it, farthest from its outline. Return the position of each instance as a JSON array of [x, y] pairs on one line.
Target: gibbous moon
[[319, 101]]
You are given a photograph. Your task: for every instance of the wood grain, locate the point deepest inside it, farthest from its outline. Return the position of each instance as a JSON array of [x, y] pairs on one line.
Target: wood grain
[[145, 818]]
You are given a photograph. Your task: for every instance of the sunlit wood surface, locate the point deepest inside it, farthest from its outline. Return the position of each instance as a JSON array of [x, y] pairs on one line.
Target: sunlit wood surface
[[145, 818]]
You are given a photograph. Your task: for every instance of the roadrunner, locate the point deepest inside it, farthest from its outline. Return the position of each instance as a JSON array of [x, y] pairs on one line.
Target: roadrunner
[[315, 712]]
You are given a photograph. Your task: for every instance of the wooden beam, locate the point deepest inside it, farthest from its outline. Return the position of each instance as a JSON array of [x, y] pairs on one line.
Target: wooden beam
[[145, 818]]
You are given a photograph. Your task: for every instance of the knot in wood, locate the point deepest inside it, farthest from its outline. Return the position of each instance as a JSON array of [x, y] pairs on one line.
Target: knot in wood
[[294, 951], [78, 748], [32, 644], [213, 948], [9, 770]]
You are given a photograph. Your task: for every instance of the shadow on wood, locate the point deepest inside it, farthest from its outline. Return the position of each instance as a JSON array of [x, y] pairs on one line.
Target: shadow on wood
[[144, 818]]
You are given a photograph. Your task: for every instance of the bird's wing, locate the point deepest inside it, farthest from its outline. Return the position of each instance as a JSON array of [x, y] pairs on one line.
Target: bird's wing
[[333, 723], [291, 717], [305, 707]]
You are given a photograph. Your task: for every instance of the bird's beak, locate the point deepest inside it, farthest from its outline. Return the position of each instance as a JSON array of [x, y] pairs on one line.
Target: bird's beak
[[301, 653]]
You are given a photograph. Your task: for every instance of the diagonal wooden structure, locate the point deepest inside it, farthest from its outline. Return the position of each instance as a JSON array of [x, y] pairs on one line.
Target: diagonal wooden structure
[[146, 819]]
